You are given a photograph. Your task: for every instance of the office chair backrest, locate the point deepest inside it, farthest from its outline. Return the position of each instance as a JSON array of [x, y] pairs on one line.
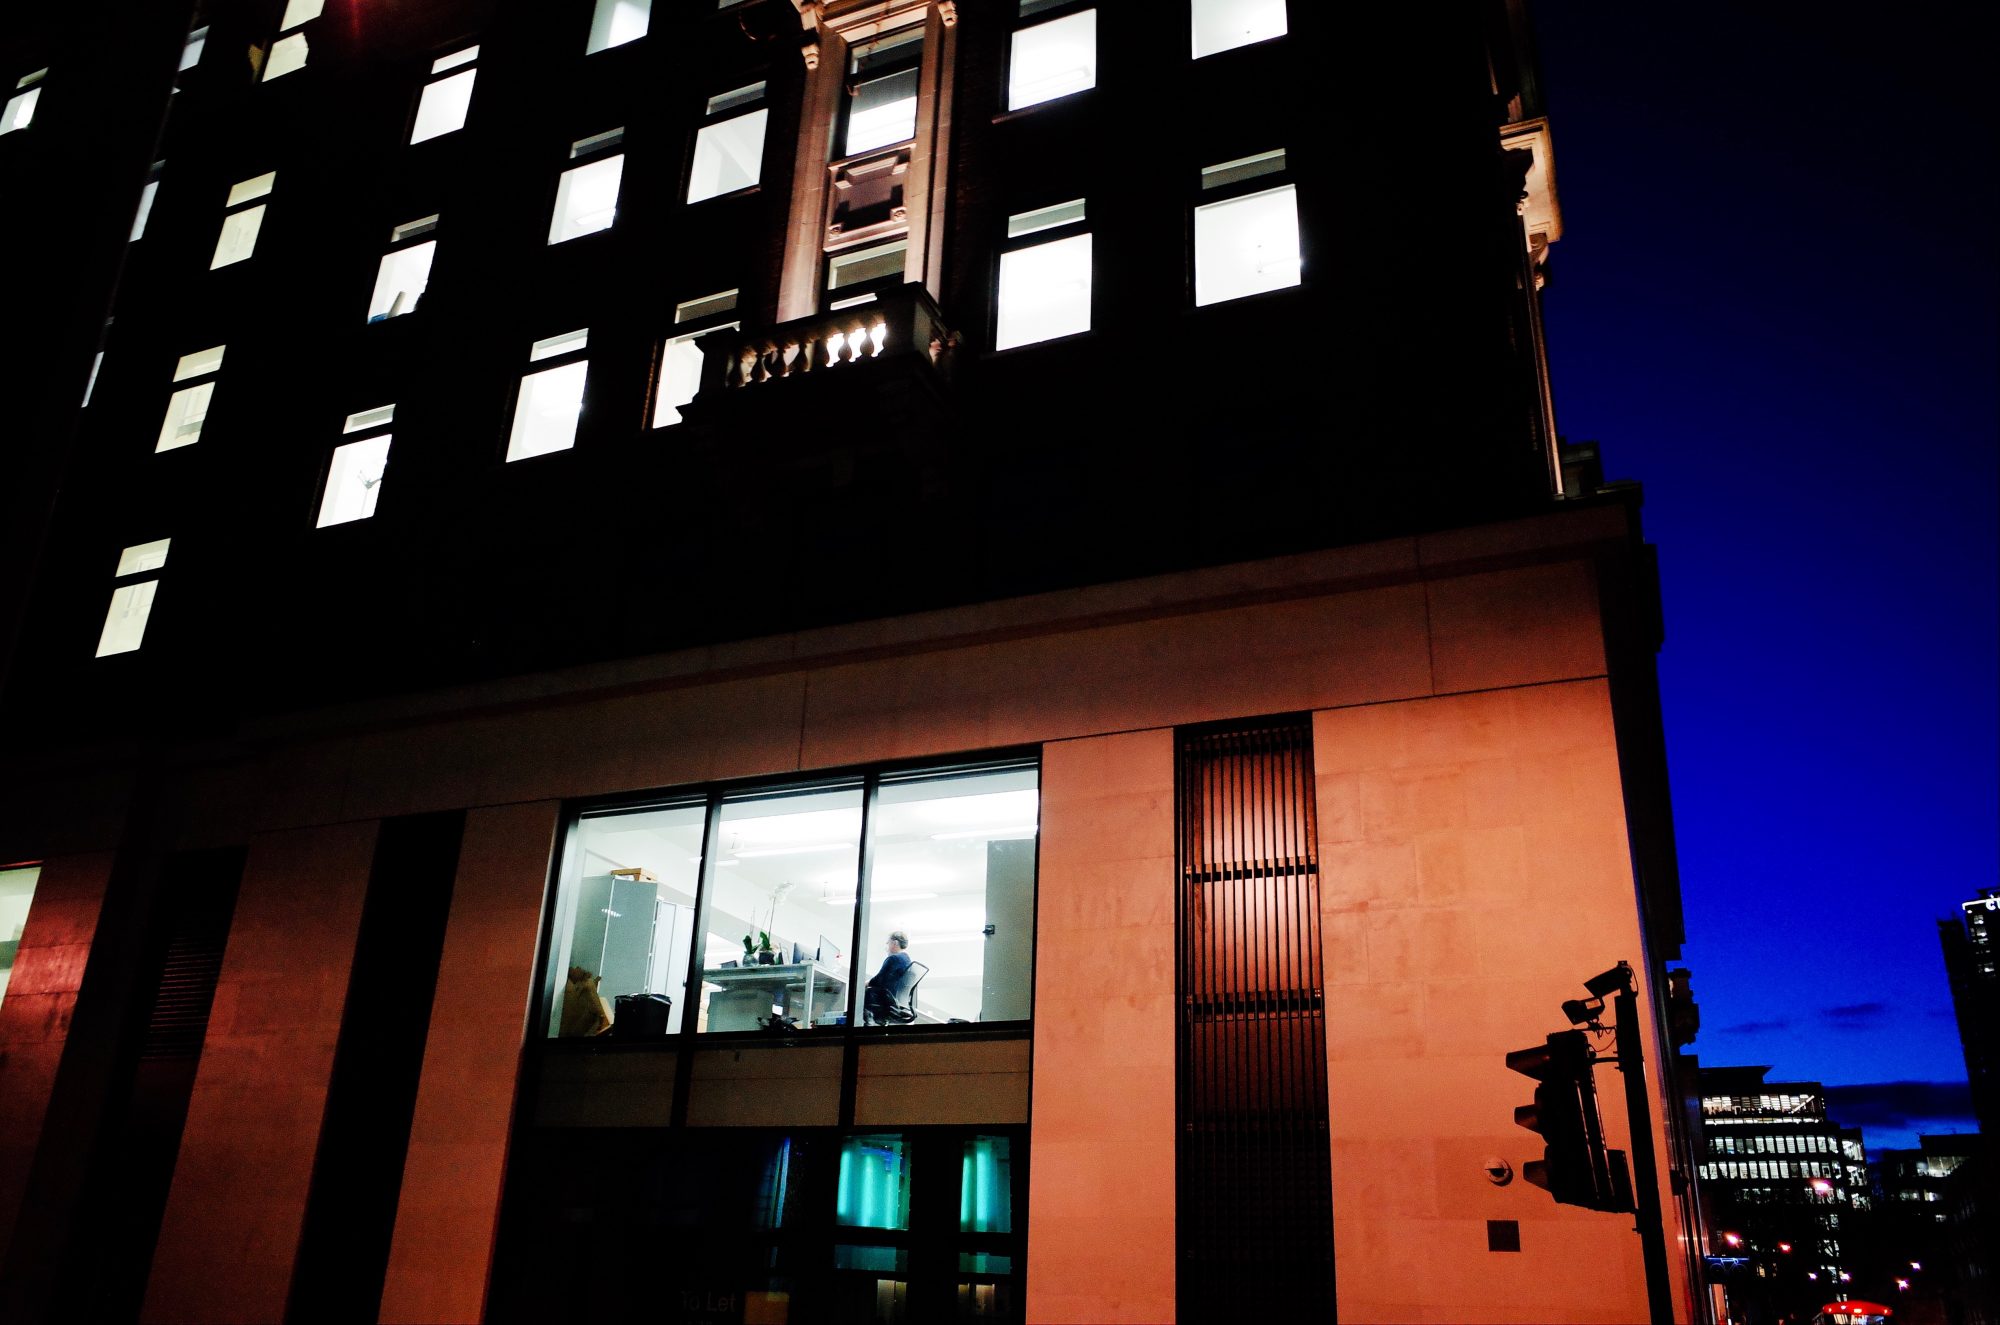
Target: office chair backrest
[[903, 1001]]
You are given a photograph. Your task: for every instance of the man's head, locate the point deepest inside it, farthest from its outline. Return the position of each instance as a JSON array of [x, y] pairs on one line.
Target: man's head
[[898, 941]]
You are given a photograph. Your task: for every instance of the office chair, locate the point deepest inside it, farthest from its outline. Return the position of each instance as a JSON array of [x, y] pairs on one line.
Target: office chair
[[903, 998]]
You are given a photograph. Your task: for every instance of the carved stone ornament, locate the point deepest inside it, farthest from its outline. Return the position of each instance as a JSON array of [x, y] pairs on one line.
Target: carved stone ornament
[[948, 13]]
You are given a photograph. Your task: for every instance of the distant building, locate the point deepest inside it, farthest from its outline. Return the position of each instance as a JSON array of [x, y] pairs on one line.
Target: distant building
[[1972, 963], [1784, 1184]]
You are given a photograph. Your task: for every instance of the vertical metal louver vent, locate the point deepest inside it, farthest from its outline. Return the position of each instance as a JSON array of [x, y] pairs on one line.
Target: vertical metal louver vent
[[1255, 1219], [188, 977]]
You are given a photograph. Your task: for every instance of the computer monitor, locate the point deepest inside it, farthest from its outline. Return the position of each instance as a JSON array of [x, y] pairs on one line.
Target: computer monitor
[[829, 951], [798, 954]]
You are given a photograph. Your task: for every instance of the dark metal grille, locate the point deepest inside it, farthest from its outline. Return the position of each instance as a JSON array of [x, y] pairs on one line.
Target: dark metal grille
[[1255, 1218], [186, 993]]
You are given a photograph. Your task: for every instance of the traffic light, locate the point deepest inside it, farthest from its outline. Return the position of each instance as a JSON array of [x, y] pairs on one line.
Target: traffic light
[[1575, 1168]]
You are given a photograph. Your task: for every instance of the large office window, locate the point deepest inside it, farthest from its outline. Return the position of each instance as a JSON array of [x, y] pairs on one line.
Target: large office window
[[615, 22], [242, 219], [187, 408], [587, 195], [740, 906], [354, 474], [146, 196], [680, 356], [445, 101], [405, 272], [1247, 241], [17, 891], [882, 90], [729, 146], [138, 580], [1223, 25], [551, 399], [1052, 59], [1044, 276]]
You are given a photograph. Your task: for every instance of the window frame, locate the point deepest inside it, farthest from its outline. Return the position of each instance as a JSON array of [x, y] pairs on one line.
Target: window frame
[[710, 119], [1284, 176], [537, 364], [910, 59], [453, 63], [133, 579], [402, 238], [1195, 55], [692, 328], [255, 203], [713, 797], [1004, 244], [352, 433], [586, 153], [1044, 13]]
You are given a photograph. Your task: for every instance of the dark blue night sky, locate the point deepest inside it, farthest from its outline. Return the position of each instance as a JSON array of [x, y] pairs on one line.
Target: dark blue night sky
[[1774, 304]]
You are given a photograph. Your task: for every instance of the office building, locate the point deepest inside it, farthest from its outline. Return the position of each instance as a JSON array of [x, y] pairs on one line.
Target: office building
[[869, 660], [1785, 1186], [1971, 942]]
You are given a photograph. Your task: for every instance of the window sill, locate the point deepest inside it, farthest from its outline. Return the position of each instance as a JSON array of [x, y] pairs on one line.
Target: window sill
[[828, 1035]]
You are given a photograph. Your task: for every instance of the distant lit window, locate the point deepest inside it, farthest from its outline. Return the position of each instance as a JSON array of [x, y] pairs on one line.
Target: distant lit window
[[1223, 25], [300, 11], [20, 109], [132, 600], [680, 357], [241, 221], [587, 195], [616, 22], [90, 386], [405, 271], [1052, 59], [729, 147], [882, 90], [1247, 241], [191, 49], [187, 408], [354, 474], [858, 275], [442, 107], [1044, 276], [551, 399], [146, 196], [17, 892], [287, 55]]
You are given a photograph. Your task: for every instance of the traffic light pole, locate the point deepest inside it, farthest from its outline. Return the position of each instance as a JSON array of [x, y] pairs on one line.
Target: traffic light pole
[[1645, 1167]]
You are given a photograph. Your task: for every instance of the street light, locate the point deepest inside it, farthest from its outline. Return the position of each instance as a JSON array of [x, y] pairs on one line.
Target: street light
[[1733, 1239]]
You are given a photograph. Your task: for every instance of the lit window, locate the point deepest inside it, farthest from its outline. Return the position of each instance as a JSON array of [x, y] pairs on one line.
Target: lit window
[[442, 107], [300, 11], [680, 357], [132, 604], [1223, 25], [405, 271], [90, 386], [882, 90], [287, 54], [551, 399], [1044, 285], [1053, 59], [857, 275], [146, 196], [1247, 242], [587, 195], [187, 408], [21, 106], [729, 148], [616, 22], [354, 475], [17, 891], [241, 224], [192, 48]]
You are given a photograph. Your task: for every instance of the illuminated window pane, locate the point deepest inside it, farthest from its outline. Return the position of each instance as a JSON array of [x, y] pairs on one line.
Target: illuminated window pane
[[401, 280], [145, 212], [1246, 245], [255, 187], [569, 342], [354, 480], [986, 1187], [201, 361], [191, 50], [125, 622], [680, 377], [862, 266], [443, 106], [727, 156], [287, 54], [300, 11], [546, 411], [186, 411], [884, 111], [1223, 25], [616, 22], [874, 1182], [1053, 59], [238, 239], [17, 891], [20, 110], [1044, 292], [142, 557], [586, 199]]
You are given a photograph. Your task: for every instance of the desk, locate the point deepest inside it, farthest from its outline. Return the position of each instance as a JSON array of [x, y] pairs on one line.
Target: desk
[[815, 986]]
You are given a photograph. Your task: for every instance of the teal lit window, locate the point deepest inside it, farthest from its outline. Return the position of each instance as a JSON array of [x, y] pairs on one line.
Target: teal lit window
[[874, 1182], [776, 1187], [986, 1186]]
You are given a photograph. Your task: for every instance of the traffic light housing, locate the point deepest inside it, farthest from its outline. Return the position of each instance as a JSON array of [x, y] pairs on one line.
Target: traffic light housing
[[1575, 1168]]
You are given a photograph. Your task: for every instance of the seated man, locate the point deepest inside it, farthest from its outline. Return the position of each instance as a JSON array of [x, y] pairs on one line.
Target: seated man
[[880, 995]]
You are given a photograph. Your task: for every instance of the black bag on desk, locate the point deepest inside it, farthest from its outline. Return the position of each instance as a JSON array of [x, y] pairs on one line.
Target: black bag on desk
[[642, 1017]]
